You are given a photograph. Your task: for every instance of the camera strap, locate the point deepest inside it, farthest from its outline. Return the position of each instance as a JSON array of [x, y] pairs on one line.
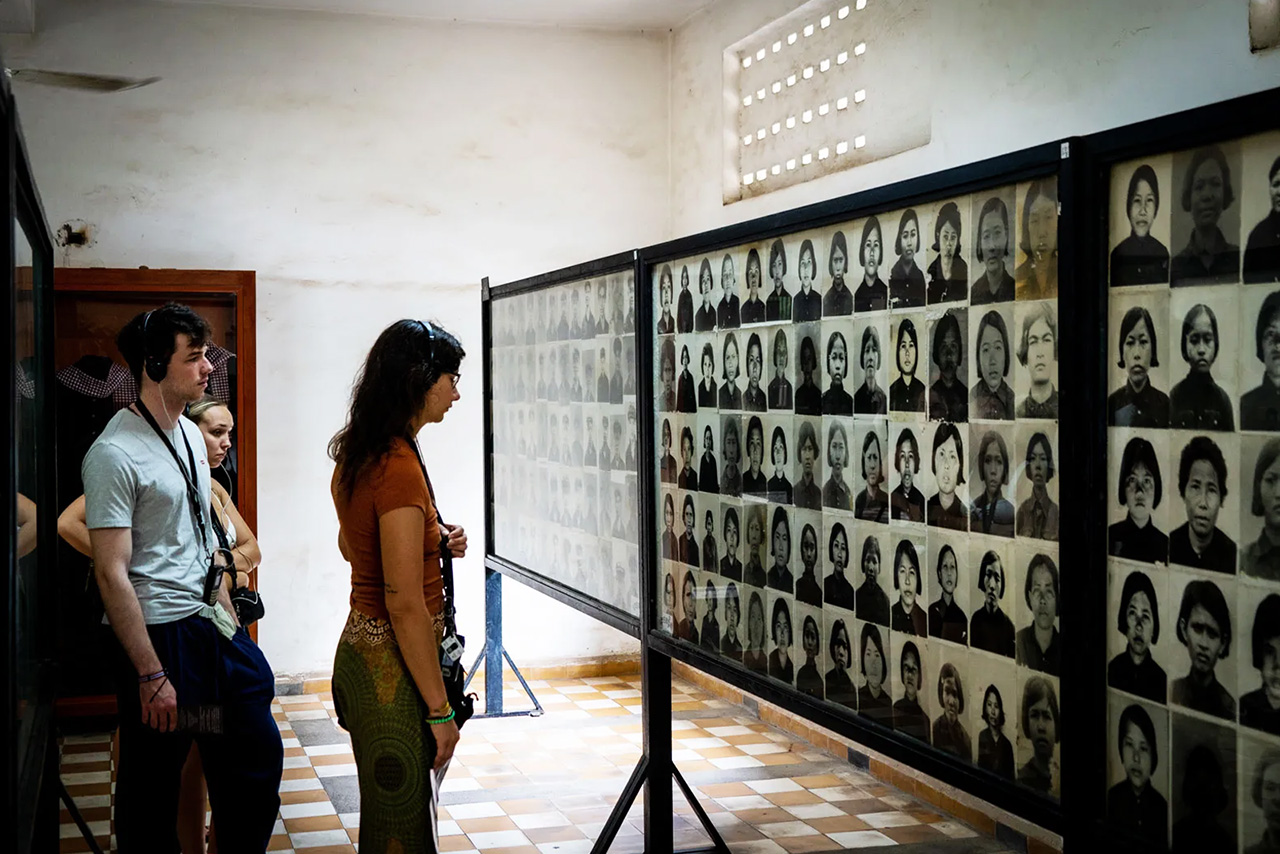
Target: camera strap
[[446, 559]]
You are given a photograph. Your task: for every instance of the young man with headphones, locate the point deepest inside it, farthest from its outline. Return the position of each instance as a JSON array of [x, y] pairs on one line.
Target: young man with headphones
[[188, 670]]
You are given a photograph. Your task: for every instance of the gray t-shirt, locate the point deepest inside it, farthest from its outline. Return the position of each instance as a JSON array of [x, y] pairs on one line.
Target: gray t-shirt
[[132, 481]]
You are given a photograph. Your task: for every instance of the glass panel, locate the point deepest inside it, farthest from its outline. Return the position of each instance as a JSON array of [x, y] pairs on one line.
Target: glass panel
[[28, 440]]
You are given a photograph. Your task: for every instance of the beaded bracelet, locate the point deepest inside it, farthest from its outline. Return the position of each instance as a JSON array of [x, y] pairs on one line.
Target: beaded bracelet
[[151, 677], [443, 720]]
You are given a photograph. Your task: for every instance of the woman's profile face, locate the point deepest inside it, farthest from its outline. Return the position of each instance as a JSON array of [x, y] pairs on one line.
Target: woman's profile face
[[907, 573], [907, 355], [994, 239], [1140, 620], [1202, 497], [948, 240], [753, 276], [1137, 352], [1207, 193], [949, 574], [731, 361], [837, 361], [1142, 208], [731, 535], [806, 269], [1201, 344], [991, 357], [837, 453], [992, 468], [1042, 226], [216, 425], [1204, 640], [755, 448], [871, 252], [946, 466], [779, 452], [871, 464], [1269, 492], [950, 699], [781, 544], [838, 262], [1135, 754], [755, 364], [782, 629], [1139, 490], [991, 710], [910, 239], [872, 665]]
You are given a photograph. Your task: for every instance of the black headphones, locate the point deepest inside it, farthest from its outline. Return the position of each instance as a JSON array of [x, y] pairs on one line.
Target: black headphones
[[431, 342], [155, 367]]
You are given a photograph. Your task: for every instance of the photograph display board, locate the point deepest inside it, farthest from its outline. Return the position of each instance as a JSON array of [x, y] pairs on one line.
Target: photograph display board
[[857, 435], [1193, 485], [563, 373]]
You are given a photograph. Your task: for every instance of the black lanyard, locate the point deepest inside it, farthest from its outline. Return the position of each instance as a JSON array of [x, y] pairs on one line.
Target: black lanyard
[[446, 558], [193, 492]]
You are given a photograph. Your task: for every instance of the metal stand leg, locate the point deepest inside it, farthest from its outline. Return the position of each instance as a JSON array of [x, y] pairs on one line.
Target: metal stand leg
[[493, 654], [77, 818]]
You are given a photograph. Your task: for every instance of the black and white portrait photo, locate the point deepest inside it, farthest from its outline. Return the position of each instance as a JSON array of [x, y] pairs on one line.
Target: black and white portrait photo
[[1260, 406], [666, 301], [708, 463], [950, 733], [991, 511], [731, 626], [754, 656], [708, 389], [907, 391], [1038, 514], [781, 664], [993, 691], [911, 703], [1206, 218], [1138, 763], [704, 320], [948, 272], [1204, 628], [837, 589], [1139, 490], [687, 624], [807, 303], [871, 504], [906, 280], [754, 480], [687, 478], [779, 487], [1038, 641], [809, 674], [811, 550], [874, 700], [1259, 684], [1259, 795], [991, 398], [948, 614], [731, 453], [1198, 401], [808, 394], [993, 246], [906, 614], [753, 398], [730, 394], [753, 310], [807, 490], [906, 500], [756, 518], [1138, 222], [690, 551], [870, 397], [836, 400], [838, 300], [1036, 276], [777, 307], [781, 389], [730, 565], [1260, 510], [728, 310], [948, 389], [1037, 350], [836, 492], [1202, 785], [780, 577], [1199, 542], [686, 385], [990, 626], [1134, 668], [946, 508], [871, 597], [684, 302], [1038, 736], [871, 294], [1260, 205], [839, 685], [667, 375]]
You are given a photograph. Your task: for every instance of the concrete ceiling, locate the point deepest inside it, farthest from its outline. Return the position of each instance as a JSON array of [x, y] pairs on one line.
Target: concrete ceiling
[[587, 14]]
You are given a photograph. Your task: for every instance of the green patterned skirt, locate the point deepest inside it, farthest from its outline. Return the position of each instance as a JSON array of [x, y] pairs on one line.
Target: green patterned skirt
[[379, 704]]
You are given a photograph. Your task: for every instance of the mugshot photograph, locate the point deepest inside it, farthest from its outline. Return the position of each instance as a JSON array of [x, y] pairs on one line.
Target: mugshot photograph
[[838, 300], [780, 388], [906, 501], [1261, 558], [687, 625], [667, 621], [754, 480], [780, 577], [666, 301], [906, 615], [950, 735], [837, 590], [708, 466], [909, 714], [564, 329], [779, 486], [906, 281], [781, 664], [603, 386], [1260, 796], [686, 386], [809, 582], [1260, 406], [627, 371], [836, 400], [947, 618], [948, 393], [1203, 785], [684, 303], [777, 307], [1039, 733], [874, 700], [728, 314], [1260, 685], [872, 294], [948, 272], [753, 399], [1038, 356], [1262, 250], [809, 675], [690, 553], [1202, 484], [991, 512], [591, 386], [993, 243], [807, 493], [707, 389], [731, 564], [807, 305], [1140, 258], [730, 396], [990, 628], [991, 398], [753, 310], [907, 392], [995, 751], [839, 685], [1038, 514], [1138, 759], [1036, 277], [946, 508], [1206, 216], [1204, 629], [871, 600], [1134, 668], [704, 320], [730, 635], [1039, 644], [836, 493], [602, 306], [1198, 402], [872, 501], [576, 317], [688, 476], [808, 396], [710, 546], [624, 313], [757, 523], [754, 656], [1139, 488], [667, 376], [870, 398]]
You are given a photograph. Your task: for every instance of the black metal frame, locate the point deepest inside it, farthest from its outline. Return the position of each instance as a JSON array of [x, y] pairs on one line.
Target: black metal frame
[[1219, 122]]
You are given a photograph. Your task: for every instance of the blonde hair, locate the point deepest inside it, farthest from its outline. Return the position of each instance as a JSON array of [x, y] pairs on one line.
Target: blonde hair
[[197, 410]]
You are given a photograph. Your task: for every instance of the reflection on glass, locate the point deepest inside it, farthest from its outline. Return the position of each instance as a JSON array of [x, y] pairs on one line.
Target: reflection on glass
[[25, 435]]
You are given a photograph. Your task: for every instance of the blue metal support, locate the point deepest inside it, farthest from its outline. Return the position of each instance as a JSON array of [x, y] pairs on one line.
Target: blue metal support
[[493, 654]]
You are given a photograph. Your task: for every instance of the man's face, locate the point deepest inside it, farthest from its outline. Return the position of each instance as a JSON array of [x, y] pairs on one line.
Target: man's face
[[1040, 356], [1043, 598], [187, 376], [993, 467], [991, 584], [994, 239]]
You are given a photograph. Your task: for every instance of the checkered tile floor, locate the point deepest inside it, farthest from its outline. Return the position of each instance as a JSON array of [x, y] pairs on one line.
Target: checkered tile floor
[[547, 784]]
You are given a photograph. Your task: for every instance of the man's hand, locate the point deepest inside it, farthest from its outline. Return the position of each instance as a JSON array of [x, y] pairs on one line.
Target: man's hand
[[159, 705], [455, 539]]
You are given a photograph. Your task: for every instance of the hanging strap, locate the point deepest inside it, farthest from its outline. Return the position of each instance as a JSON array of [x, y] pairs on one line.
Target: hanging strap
[[446, 558], [193, 492]]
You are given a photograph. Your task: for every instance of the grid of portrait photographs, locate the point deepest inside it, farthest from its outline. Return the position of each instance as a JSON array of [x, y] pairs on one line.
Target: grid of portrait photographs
[[1193, 408], [857, 430], [564, 435]]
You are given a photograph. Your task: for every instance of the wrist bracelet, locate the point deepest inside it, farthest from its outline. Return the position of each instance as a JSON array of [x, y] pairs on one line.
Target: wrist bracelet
[[443, 720], [440, 712], [151, 677]]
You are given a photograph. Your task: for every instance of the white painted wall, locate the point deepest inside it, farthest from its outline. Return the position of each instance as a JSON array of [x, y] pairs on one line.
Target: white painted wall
[[367, 169], [1006, 74]]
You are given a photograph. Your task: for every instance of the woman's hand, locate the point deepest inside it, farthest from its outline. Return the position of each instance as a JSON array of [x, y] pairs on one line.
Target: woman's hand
[[446, 735], [455, 539]]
